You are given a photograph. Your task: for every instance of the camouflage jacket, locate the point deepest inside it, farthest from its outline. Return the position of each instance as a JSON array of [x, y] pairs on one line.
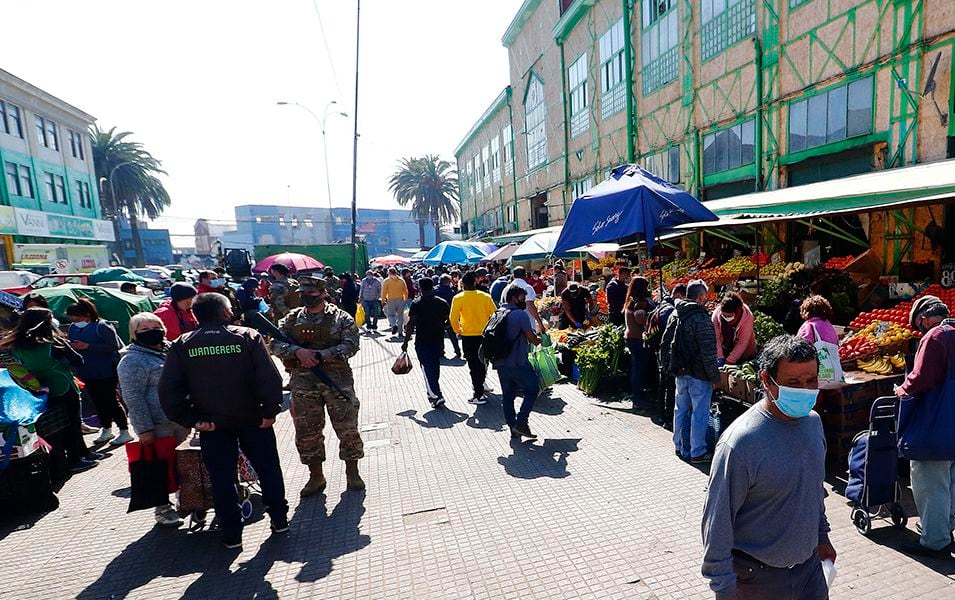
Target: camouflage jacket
[[332, 331], [278, 293]]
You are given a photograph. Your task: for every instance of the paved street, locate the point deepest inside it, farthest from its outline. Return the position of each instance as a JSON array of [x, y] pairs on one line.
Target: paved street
[[598, 508]]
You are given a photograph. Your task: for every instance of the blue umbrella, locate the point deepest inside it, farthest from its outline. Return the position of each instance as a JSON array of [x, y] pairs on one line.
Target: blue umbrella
[[632, 201], [454, 253]]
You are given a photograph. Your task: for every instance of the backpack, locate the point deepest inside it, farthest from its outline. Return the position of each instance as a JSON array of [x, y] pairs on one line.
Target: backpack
[[495, 344]]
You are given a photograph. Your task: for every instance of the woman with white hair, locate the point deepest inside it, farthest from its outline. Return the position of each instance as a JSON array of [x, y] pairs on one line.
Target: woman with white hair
[[139, 371]]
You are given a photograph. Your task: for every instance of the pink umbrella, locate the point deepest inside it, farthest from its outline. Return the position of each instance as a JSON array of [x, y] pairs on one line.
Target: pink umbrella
[[390, 259], [295, 262]]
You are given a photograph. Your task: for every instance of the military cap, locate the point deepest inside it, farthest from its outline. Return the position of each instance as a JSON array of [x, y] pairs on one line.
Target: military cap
[[307, 283]]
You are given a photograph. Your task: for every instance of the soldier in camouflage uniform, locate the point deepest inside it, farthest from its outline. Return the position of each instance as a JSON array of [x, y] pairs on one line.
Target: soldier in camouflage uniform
[[327, 336], [282, 292]]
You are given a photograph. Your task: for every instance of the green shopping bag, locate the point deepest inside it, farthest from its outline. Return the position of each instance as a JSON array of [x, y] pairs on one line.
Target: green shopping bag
[[544, 362]]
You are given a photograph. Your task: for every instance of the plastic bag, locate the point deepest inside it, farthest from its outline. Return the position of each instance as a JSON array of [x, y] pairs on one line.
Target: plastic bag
[[360, 316], [149, 484], [402, 365], [544, 362]]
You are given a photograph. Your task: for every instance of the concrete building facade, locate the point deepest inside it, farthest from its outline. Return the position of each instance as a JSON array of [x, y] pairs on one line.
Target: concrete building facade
[[157, 245], [723, 97], [48, 191]]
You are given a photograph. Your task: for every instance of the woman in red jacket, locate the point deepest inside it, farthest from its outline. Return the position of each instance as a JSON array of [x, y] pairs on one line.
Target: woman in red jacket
[[176, 312], [735, 333]]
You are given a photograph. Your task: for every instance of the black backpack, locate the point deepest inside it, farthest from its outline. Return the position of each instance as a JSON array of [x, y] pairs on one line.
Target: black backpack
[[495, 344]]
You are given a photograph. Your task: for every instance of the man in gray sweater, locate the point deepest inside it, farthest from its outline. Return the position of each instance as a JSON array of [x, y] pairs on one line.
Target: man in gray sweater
[[765, 531]]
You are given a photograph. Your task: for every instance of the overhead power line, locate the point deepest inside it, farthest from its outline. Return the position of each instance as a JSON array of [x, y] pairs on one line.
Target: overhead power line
[[328, 52]]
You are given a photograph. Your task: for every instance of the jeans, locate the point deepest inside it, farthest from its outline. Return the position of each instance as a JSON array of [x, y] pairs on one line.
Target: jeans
[[220, 452], [454, 340], [371, 314], [429, 355], [471, 344], [512, 380], [933, 486], [395, 311], [639, 363], [756, 581], [693, 412]]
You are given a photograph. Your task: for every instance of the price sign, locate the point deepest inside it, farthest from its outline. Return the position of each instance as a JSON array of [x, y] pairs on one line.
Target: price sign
[[948, 275]]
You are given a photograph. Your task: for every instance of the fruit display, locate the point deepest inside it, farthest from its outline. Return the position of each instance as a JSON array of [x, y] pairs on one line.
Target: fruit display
[[746, 371], [766, 328], [738, 265], [677, 268], [781, 269], [884, 333], [857, 347], [839, 263], [883, 365]]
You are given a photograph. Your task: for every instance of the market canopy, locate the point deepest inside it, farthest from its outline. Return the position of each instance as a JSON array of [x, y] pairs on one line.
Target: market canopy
[[537, 246], [502, 253], [630, 202], [418, 256], [390, 259], [112, 305], [887, 189], [455, 253], [520, 236], [114, 274], [294, 261]]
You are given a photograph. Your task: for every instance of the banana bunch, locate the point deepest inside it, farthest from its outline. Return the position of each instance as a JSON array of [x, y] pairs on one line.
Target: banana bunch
[[883, 365]]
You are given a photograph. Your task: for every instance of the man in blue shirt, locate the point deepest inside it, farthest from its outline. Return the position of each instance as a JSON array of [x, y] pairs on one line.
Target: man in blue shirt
[[497, 288], [514, 370]]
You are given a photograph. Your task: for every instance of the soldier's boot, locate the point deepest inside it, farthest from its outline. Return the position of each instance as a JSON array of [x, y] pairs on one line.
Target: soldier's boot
[[355, 482], [316, 481]]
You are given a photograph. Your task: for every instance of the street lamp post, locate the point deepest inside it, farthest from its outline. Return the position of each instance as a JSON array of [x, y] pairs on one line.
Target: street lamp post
[[354, 167], [112, 196], [321, 122]]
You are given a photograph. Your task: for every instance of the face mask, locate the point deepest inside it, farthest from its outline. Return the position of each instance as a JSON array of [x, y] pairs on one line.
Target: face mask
[[312, 301], [81, 324], [520, 304], [727, 318], [151, 337], [795, 402], [217, 283]]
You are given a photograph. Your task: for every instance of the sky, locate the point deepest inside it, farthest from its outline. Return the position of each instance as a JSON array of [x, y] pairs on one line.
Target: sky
[[197, 82]]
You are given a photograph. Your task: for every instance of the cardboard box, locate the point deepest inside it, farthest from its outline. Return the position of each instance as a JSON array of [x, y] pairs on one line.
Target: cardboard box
[[25, 442], [866, 264]]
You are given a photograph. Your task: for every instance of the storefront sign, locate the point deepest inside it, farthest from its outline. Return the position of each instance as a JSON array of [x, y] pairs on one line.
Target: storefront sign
[[8, 220], [40, 224]]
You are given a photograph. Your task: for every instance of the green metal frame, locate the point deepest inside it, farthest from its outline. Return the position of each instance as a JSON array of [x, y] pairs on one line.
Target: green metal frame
[[818, 91]]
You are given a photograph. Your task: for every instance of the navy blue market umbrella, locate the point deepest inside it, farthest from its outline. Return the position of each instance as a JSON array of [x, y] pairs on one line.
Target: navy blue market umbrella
[[631, 202]]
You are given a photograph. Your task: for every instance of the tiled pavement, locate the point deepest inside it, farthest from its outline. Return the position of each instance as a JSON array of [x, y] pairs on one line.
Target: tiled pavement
[[598, 508]]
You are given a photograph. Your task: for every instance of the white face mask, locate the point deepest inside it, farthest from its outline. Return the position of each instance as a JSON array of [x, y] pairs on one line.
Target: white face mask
[[726, 317], [81, 324]]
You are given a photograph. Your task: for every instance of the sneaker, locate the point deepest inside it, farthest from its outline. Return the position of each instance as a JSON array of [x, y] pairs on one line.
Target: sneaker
[[83, 464], [232, 543], [279, 525], [122, 439], [105, 435], [701, 459], [477, 400], [195, 442], [514, 434], [457, 356], [91, 455], [523, 431], [437, 402], [168, 518], [679, 454]]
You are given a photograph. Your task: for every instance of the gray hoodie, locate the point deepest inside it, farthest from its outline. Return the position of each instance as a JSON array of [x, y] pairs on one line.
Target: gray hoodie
[[139, 370]]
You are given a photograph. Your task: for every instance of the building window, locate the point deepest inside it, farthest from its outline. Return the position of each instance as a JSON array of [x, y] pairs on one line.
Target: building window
[[496, 159], [577, 82], [729, 148], [55, 188], [795, 3], [832, 116], [581, 186], [725, 22], [665, 165], [486, 167], [613, 92], [508, 149], [476, 181], [10, 119], [535, 113], [76, 145], [83, 193], [46, 133], [660, 37], [19, 182]]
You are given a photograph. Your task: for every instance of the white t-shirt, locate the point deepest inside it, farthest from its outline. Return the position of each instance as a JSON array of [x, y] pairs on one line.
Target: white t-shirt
[[531, 295]]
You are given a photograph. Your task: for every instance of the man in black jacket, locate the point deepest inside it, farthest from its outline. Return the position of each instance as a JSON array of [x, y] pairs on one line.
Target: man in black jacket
[[221, 380], [688, 351], [428, 318]]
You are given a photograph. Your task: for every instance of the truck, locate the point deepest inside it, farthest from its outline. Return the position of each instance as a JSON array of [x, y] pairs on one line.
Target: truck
[[50, 259]]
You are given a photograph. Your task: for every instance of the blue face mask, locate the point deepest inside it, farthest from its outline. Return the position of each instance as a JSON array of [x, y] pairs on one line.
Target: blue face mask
[[81, 324], [794, 402], [217, 283]]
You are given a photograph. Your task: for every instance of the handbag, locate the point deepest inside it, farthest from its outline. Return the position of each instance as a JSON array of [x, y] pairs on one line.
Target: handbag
[[926, 422], [544, 362], [165, 449], [149, 480], [830, 368], [402, 365]]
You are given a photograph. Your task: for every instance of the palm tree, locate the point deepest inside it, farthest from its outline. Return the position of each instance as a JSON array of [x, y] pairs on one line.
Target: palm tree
[[132, 172], [430, 186]]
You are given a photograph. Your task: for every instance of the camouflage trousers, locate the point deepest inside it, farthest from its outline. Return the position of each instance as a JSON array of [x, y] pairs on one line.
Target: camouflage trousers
[[310, 400]]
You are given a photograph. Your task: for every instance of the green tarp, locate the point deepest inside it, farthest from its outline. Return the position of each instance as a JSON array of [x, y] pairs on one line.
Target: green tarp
[[114, 274], [112, 305]]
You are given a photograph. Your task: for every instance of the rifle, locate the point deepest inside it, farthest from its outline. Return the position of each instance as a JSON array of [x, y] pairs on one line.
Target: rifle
[[266, 327]]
